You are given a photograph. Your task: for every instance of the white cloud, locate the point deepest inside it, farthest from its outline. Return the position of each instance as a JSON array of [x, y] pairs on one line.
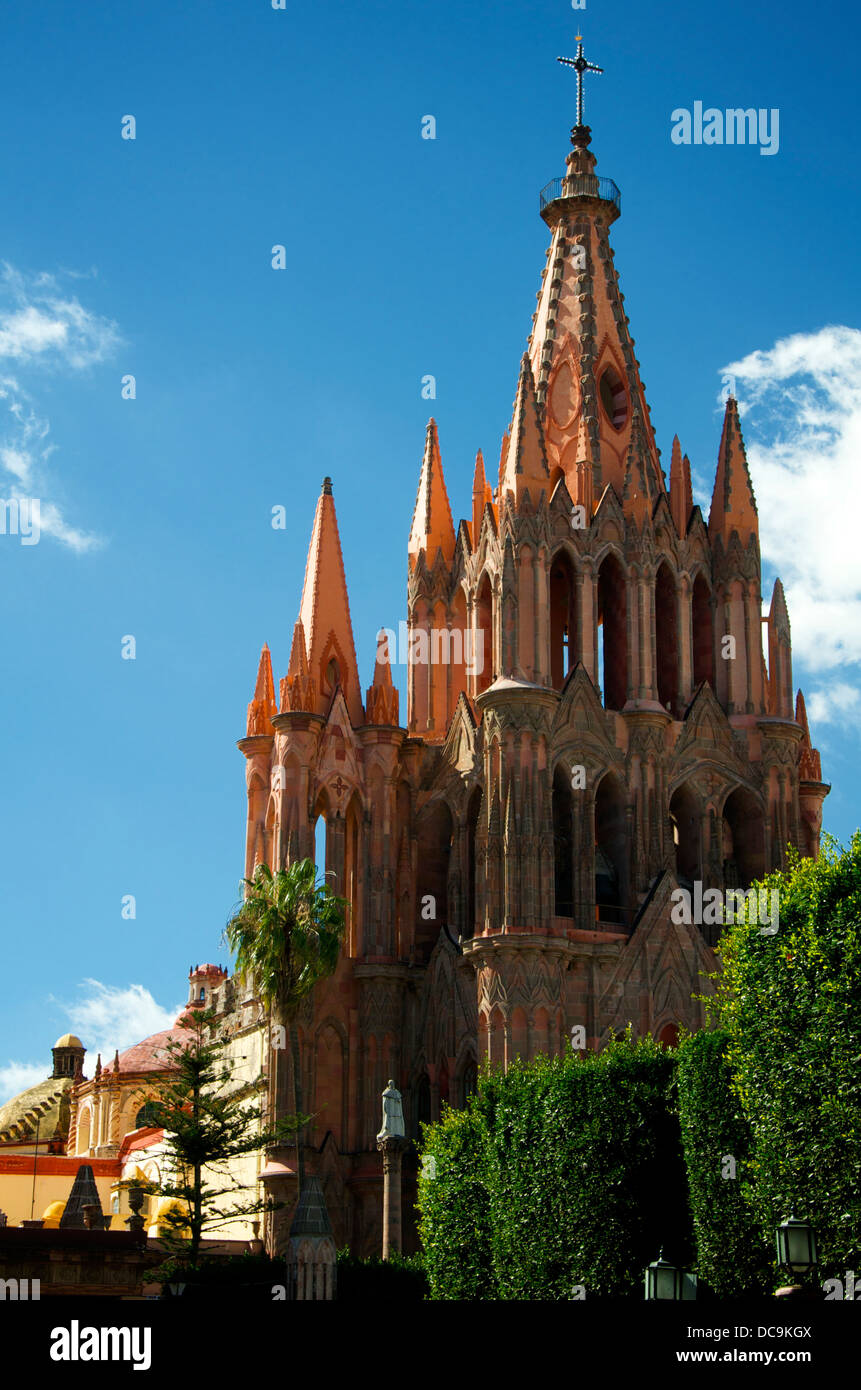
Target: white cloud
[[42, 329], [38, 320], [16, 1077], [833, 704], [801, 406], [108, 1017]]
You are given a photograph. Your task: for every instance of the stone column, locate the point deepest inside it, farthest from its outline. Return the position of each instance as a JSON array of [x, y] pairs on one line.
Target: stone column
[[391, 1147], [391, 1142]]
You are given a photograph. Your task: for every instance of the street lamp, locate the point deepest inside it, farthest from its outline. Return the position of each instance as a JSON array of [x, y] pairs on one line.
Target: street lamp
[[665, 1281], [796, 1245]]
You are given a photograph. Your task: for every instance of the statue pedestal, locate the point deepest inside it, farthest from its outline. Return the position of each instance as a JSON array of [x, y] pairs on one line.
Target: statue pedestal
[[392, 1147]]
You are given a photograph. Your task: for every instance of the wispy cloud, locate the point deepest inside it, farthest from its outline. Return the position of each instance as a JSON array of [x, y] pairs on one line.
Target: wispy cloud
[[834, 704], [801, 404], [107, 1017], [42, 328], [16, 1077]]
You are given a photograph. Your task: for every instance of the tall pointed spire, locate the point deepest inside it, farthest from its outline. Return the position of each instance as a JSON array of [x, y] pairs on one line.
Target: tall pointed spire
[[581, 350], [779, 655], [809, 762], [801, 717], [298, 690], [432, 529], [382, 702], [481, 495], [263, 706], [325, 614], [733, 505], [525, 460], [681, 493]]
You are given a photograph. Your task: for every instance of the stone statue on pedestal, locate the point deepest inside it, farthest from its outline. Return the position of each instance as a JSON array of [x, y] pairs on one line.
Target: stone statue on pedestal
[[393, 1114]]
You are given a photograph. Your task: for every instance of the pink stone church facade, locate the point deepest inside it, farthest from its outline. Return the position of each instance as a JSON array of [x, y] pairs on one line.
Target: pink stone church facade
[[590, 724]]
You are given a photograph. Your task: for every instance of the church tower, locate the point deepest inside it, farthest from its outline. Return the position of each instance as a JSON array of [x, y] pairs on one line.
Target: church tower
[[593, 722]]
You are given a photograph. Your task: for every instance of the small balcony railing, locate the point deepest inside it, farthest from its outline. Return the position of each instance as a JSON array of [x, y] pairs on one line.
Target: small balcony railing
[[581, 186]]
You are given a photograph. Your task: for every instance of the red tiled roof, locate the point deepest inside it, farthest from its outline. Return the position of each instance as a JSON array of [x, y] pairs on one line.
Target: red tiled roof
[[150, 1055], [140, 1139]]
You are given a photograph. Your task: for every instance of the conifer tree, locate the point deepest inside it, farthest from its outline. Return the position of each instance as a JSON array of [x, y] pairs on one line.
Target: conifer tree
[[209, 1123]]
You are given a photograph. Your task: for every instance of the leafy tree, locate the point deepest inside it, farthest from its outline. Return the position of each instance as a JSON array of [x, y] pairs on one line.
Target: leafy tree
[[286, 935], [209, 1122], [791, 1007]]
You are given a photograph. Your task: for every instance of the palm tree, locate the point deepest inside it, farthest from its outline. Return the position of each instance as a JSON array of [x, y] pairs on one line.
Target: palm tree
[[286, 935]]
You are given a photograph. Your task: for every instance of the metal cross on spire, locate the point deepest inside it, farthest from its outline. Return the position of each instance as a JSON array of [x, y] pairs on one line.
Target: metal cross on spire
[[580, 66]]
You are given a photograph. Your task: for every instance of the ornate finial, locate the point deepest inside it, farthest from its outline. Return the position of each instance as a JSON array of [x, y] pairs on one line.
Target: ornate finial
[[580, 66], [327, 487]]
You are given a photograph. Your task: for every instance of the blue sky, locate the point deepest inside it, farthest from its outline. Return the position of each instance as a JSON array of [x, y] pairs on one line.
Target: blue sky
[[405, 257]]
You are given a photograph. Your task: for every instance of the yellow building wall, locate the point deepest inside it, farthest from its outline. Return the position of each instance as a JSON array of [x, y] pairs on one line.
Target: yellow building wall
[[16, 1192]]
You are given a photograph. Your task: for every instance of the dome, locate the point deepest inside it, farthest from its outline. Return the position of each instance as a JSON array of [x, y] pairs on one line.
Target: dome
[[46, 1104], [151, 1054], [51, 1215], [160, 1222], [69, 1040]]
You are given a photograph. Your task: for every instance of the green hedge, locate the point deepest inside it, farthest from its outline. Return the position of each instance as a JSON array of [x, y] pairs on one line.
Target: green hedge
[[455, 1205], [733, 1257], [791, 1006], [565, 1172]]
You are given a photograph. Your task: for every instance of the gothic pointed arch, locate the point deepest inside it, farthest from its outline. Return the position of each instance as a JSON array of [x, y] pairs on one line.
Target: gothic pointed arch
[[666, 638], [685, 822], [434, 832], [702, 627], [743, 838], [563, 618], [563, 843], [613, 633], [611, 851], [484, 630]]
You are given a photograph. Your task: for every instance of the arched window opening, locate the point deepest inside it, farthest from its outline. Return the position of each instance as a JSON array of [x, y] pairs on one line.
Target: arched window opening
[[483, 655], [352, 874], [611, 864], [320, 845], [613, 620], [611, 390], [563, 844], [83, 1136], [743, 839], [202, 995], [562, 620], [473, 811], [434, 834], [329, 1078], [443, 1084], [332, 676], [146, 1118], [703, 632], [669, 1035], [666, 639], [468, 1082], [685, 825]]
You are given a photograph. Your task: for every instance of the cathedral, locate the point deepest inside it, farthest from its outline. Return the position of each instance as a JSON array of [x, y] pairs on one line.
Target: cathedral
[[597, 715]]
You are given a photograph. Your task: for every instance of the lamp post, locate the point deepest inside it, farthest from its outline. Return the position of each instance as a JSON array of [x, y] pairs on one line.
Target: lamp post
[[796, 1250], [35, 1166], [666, 1282]]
